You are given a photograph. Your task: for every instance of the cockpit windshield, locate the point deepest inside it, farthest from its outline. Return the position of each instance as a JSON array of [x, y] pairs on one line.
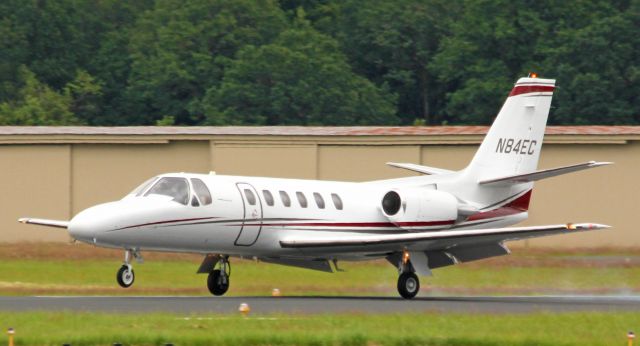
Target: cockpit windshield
[[140, 189], [178, 188]]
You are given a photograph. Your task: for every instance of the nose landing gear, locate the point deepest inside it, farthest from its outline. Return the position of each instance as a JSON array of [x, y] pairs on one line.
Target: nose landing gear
[[218, 279], [125, 275]]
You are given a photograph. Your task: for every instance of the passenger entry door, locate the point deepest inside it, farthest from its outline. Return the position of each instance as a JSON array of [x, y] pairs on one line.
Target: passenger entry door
[[252, 222]]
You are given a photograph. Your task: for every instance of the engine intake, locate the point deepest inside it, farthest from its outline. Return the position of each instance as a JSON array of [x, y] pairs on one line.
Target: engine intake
[[391, 203], [417, 209]]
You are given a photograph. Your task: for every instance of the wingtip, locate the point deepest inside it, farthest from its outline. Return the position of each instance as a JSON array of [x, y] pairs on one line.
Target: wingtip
[[44, 222], [586, 226], [598, 164]]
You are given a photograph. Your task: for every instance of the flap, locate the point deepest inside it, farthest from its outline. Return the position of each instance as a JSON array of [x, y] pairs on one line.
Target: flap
[[320, 265], [477, 252]]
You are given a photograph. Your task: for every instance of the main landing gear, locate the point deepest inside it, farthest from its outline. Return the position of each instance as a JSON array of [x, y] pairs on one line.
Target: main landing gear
[[408, 285], [218, 279], [408, 282], [125, 275]]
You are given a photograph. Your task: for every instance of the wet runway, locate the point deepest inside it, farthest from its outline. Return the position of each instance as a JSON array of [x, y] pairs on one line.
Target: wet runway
[[315, 305]]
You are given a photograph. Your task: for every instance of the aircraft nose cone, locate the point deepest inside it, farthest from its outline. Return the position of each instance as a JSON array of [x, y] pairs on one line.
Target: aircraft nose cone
[[81, 228], [89, 223]]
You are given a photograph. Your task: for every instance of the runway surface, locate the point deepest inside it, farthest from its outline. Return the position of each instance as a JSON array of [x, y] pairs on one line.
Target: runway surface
[[314, 305]]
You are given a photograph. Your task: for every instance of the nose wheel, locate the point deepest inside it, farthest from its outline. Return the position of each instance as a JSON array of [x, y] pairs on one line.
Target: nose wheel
[[218, 279], [126, 276]]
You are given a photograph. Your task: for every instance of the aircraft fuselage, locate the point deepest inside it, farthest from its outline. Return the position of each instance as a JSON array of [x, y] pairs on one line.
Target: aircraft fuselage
[[234, 223]]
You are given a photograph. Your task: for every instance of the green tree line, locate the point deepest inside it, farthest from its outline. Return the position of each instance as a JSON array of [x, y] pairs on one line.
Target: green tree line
[[312, 62]]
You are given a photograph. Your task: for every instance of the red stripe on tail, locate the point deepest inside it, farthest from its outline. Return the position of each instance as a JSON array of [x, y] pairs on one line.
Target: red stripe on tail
[[517, 206], [526, 89]]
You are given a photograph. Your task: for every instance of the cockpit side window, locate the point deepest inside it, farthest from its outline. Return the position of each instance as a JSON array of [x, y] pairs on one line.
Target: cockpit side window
[[138, 191], [178, 188], [201, 190]]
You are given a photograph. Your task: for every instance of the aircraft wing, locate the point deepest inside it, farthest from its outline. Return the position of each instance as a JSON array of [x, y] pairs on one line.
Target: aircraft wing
[[45, 222], [420, 169], [439, 239], [547, 173]]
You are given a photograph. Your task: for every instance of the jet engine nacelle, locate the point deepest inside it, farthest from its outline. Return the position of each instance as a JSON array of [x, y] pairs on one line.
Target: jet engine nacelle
[[413, 209]]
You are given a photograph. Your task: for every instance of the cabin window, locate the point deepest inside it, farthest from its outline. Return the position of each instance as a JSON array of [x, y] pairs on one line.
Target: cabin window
[[251, 198], [138, 191], [301, 199], [268, 197], [337, 202], [201, 190], [286, 201], [319, 200], [174, 187], [194, 201]]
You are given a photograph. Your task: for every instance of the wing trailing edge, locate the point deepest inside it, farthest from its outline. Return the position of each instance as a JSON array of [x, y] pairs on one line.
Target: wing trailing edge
[[543, 174], [460, 236], [44, 222]]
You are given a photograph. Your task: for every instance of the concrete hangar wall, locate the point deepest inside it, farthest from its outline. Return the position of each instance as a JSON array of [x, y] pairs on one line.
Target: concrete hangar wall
[[55, 172]]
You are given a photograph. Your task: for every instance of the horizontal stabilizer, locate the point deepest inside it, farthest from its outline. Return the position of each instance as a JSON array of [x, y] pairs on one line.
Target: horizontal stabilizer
[[547, 173], [45, 222], [461, 237], [419, 168]]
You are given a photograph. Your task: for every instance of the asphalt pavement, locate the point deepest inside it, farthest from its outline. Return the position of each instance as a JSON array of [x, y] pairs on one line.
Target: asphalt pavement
[[316, 305]]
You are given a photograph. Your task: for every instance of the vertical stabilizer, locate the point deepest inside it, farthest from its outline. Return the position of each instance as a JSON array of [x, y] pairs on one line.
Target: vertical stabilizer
[[513, 143]]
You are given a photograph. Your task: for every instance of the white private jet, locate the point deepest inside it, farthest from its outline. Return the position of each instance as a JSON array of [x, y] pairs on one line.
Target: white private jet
[[417, 223]]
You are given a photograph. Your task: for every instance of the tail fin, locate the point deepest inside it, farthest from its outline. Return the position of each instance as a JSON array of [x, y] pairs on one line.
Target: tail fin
[[513, 143]]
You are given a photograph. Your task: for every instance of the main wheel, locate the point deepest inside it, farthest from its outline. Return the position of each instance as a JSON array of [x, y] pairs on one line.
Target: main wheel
[[217, 284], [408, 285], [125, 276]]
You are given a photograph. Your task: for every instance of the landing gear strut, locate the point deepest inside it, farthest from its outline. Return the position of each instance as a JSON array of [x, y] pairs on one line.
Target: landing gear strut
[[125, 275], [408, 282], [218, 280]]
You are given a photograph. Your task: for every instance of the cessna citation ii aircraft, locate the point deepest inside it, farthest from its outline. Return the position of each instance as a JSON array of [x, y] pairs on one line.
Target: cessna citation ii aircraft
[[418, 223]]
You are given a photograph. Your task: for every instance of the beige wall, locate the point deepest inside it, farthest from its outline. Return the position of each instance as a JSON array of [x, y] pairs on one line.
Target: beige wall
[[58, 180], [361, 163], [281, 161], [35, 181], [606, 195], [106, 172]]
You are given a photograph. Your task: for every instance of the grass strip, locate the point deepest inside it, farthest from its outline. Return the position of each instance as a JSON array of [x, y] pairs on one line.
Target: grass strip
[[56, 328]]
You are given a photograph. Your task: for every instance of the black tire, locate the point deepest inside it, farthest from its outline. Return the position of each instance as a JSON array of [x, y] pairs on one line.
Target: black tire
[[125, 277], [215, 284], [408, 285]]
